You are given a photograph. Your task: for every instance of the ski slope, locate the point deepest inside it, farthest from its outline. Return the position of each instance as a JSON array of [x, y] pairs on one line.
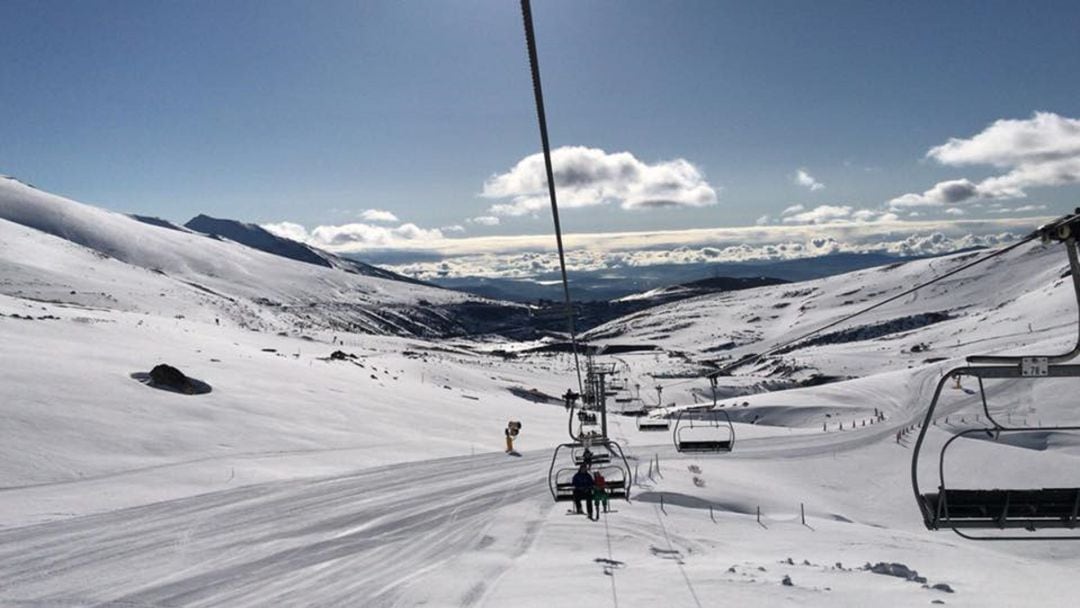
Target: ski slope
[[379, 480]]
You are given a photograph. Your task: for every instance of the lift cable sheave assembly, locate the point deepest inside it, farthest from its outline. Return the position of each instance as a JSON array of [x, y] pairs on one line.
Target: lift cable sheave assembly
[[617, 473], [1006, 509]]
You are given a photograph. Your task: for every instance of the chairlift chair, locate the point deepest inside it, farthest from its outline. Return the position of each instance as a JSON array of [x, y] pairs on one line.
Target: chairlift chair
[[1031, 509], [598, 453], [649, 424], [616, 470], [704, 431]]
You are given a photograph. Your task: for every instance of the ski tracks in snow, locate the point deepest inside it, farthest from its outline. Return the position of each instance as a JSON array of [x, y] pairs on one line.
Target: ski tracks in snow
[[438, 530]]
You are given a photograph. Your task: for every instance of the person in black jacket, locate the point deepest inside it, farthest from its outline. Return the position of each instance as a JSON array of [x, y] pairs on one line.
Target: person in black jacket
[[583, 490]]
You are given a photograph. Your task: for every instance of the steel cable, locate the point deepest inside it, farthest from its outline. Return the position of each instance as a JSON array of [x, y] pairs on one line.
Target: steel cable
[[534, 65]]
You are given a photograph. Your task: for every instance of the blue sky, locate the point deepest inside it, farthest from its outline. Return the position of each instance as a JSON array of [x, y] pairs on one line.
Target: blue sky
[[311, 113]]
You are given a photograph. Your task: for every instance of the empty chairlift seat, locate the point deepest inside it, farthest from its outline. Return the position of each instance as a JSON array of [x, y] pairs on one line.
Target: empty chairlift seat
[[1031, 509], [708, 431]]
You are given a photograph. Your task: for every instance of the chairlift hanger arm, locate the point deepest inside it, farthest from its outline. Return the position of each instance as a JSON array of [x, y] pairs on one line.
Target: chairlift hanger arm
[[1074, 269]]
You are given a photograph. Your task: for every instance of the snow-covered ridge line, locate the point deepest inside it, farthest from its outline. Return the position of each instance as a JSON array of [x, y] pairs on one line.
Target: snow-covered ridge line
[[313, 296]]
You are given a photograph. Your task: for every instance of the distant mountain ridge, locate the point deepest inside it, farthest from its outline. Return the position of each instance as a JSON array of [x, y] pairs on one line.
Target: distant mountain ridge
[[257, 237]]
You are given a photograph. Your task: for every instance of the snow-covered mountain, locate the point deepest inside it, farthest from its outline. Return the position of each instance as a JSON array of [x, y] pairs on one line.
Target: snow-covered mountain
[[216, 278], [377, 478], [259, 238], [1021, 297]]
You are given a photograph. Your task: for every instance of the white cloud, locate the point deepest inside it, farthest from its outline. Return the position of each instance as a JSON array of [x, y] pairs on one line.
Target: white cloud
[[453, 228], [803, 178], [352, 237], [1045, 137], [485, 220], [822, 214], [1020, 209], [763, 220], [288, 230], [378, 215], [590, 176], [1040, 151], [1029, 208], [954, 211], [833, 214], [944, 193], [870, 215]]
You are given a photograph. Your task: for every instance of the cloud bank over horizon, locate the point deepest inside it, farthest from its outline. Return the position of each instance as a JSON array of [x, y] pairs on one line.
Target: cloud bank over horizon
[[424, 255], [537, 264]]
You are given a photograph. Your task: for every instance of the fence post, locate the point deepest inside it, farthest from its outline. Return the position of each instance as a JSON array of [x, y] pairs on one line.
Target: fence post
[[711, 516], [802, 513], [662, 503]]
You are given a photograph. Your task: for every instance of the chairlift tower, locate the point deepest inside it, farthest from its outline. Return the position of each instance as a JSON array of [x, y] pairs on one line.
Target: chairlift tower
[[596, 378]]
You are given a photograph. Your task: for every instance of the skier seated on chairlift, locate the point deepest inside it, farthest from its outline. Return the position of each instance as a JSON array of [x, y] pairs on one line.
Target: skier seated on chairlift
[[587, 457], [600, 494], [583, 490]]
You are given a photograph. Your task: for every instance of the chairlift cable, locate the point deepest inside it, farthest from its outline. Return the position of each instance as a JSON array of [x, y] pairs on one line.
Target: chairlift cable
[[534, 65]]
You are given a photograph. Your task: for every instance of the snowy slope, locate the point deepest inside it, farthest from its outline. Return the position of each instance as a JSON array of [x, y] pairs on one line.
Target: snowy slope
[[379, 480], [1022, 297], [297, 294]]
